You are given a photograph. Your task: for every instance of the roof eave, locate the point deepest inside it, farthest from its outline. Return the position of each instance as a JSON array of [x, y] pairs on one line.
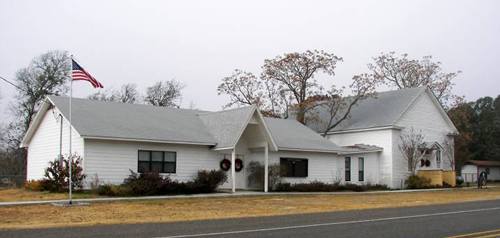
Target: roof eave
[[35, 123], [376, 128], [149, 140]]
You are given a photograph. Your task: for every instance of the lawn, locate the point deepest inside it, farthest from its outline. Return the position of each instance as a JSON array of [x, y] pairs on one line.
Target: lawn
[[186, 209], [16, 194]]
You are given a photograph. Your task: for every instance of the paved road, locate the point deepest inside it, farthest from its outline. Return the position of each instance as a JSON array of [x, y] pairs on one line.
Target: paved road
[[423, 221]]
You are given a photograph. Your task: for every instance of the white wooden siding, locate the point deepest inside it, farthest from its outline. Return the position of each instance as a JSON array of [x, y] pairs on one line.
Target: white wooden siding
[[44, 145], [381, 138], [113, 160], [424, 117], [324, 167]]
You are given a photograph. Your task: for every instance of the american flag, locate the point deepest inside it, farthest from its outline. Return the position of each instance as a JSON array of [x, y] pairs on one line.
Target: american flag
[[78, 73]]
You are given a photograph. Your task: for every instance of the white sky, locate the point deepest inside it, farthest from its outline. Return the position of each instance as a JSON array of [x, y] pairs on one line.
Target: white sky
[[199, 42]]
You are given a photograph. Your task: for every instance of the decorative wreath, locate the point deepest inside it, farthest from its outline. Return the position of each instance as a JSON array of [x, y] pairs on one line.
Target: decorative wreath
[[422, 163], [427, 163], [238, 165], [225, 164]]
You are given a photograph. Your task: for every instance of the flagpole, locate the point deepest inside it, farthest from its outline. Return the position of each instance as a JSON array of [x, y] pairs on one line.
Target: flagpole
[[70, 135]]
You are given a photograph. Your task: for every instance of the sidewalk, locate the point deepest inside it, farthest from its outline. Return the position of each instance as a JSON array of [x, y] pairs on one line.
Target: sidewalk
[[222, 195]]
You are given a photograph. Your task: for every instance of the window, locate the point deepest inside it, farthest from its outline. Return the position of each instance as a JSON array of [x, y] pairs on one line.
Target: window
[[361, 169], [156, 161], [347, 169], [438, 158], [291, 167]]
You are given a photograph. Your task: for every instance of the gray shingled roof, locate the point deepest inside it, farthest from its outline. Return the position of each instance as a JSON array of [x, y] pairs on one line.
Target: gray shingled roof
[[132, 121], [227, 126], [382, 110], [291, 135], [111, 120]]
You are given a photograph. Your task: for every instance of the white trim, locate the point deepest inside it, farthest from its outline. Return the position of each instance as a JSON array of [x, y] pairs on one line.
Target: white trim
[[146, 140], [225, 148], [309, 150], [273, 143], [443, 112], [361, 152], [243, 127], [436, 103], [35, 123], [339, 152], [409, 106], [365, 129]]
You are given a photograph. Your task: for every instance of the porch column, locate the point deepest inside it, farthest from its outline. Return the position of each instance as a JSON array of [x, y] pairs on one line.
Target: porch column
[[266, 167], [233, 171]]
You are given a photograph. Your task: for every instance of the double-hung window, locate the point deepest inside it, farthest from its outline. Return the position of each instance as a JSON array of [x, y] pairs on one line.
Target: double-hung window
[[347, 169], [156, 161], [438, 159], [361, 169], [292, 167]]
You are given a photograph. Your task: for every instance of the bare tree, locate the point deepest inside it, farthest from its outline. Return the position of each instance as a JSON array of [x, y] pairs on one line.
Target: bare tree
[[412, 148], [339, 107], [287, 86], [402, 72], [164, 94], [296, 73], [127, 94], [449, 151], [45, 75], [243, 88]]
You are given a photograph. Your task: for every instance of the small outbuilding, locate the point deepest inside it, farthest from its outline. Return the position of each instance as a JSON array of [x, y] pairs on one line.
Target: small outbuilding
[[472, 169]]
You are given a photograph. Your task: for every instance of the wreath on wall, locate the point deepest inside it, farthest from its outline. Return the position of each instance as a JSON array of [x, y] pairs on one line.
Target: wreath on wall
[[238, 165], [225, 165], [425, 162]]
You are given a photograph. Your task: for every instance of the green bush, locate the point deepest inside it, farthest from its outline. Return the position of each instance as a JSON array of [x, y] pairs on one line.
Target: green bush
[[416, 182], [56, 177], [317, 186]]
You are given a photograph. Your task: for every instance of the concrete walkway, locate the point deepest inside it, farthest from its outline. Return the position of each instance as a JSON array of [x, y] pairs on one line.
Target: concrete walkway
[[219, 195]]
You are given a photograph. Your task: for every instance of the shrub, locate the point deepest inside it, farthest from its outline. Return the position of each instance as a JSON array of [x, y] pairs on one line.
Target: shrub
[[57, 175], [34, 185], [317, 186], [94, 182], [416, 182], [256, 175], [460, 180], [113, 190], [144, 184], [208, 181], [148, 184]]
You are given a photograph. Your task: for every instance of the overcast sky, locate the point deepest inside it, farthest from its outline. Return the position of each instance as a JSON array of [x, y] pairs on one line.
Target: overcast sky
[[199, 42]]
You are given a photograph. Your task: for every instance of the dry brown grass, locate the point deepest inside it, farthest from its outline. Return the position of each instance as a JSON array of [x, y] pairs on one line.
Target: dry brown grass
[[16, 194], [185, 209]]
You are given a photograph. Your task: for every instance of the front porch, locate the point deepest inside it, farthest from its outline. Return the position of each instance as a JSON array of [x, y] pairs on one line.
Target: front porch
[[252, 145]]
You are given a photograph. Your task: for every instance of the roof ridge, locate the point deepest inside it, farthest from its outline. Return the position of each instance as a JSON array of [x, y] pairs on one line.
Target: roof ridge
[[223, 111], [128, 104]]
